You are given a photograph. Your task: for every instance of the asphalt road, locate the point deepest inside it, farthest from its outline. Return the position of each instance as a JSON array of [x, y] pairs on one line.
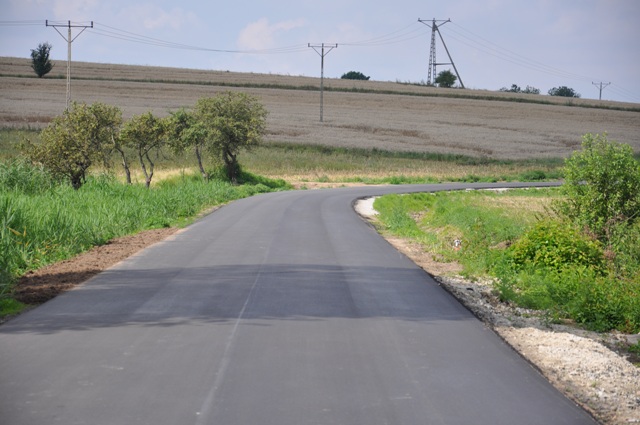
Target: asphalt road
[[282, 309]]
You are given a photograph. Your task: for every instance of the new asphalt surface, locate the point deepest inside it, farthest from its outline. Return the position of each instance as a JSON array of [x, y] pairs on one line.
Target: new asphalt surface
[[281, 309]]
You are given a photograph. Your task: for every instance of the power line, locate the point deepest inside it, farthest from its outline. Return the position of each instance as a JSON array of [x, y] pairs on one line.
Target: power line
[[20, 23], [624, 93], [116, 33], [490, 48], [399, 36]]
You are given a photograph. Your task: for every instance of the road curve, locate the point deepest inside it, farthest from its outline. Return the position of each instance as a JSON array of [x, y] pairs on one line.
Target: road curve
[[280, 309]]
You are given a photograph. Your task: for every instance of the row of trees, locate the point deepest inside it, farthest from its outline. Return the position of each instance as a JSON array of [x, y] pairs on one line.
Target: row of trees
[[562, 91], [516, 89], [216, 127]]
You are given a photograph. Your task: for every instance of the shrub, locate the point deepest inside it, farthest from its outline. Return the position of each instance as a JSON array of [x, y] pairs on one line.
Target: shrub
[[555, 245], [602, 186], [563, 91]]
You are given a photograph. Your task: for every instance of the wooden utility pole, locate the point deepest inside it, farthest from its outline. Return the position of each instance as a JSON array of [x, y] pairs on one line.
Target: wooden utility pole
[[69, 40], [601, 85], [322, 54]]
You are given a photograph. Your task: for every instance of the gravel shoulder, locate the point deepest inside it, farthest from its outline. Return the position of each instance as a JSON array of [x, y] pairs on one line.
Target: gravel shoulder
[[583, 365]]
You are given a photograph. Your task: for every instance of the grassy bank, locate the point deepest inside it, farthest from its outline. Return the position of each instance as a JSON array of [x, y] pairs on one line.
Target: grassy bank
[[491, 234], [43, 221]]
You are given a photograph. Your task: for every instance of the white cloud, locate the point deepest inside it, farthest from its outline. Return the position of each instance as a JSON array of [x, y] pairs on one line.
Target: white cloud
[[75, 10], [153, 17], [261, 35]]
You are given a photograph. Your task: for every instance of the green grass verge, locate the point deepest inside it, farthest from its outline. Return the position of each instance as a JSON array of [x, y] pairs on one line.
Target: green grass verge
[[536, 260], [44, 221]]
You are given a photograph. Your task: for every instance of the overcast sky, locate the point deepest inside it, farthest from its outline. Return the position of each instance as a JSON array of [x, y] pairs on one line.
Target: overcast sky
[[494, 43]]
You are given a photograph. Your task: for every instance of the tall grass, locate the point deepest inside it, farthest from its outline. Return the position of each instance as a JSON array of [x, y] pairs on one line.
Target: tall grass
[[42, 220]]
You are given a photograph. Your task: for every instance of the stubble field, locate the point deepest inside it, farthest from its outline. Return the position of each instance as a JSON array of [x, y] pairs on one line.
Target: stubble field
[[382, 115]]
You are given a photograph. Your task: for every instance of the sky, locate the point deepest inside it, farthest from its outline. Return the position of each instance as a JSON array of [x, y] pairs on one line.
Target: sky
[[493, 43]]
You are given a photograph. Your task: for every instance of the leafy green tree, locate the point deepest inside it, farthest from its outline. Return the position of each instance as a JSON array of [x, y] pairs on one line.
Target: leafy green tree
[[144, 133], [186, 132], [234, 121], [531, 90], [77, 139], [602, 186], [40, 59], [109, 120], [354, 75], [446, 79], [563, 91]]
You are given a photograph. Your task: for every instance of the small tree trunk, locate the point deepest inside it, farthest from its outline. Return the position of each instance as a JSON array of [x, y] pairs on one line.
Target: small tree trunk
[[125, 165], [149, 176], [147, 179], [199, 156], [76, 180], [232, 167]]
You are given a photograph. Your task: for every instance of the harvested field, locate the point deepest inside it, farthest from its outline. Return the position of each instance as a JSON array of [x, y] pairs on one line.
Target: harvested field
[[388, 116]]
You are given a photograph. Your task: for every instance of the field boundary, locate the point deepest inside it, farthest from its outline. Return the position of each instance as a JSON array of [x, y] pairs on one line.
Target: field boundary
[[312, 87]]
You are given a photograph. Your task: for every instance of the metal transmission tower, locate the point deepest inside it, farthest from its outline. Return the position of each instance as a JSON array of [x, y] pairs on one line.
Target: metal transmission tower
[[601, 85], [322, 54], [435, 27], [69, 40]]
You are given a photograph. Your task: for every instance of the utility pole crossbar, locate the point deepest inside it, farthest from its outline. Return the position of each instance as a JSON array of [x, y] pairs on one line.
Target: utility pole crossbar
[[435, 27], [601, 86], [322, 54], [69, 40]]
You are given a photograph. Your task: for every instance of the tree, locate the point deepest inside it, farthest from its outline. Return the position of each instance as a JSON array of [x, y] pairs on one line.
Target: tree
[[144, 133], [446, 79], [185, 131], [354, 75], [563, 91], [40, 60], [74, 141], [514, 89], [602, 185], [233, 121]]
